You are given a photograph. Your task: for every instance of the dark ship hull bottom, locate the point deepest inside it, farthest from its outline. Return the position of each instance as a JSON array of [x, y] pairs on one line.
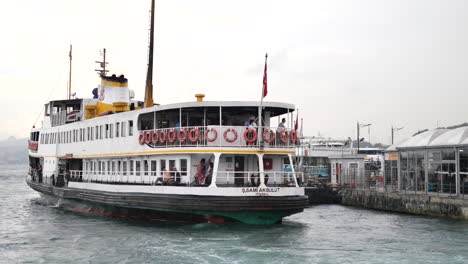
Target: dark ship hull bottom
[[173, 208]]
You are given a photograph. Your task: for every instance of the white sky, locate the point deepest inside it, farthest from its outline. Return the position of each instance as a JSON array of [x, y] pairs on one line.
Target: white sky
[[382, 62]]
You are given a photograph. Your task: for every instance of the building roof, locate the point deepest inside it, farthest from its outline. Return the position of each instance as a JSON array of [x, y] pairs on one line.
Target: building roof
[[423, 139], [435, 138], [452, 137]]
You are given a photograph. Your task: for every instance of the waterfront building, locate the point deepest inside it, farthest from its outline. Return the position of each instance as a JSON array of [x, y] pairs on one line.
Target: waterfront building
[[434, 161]]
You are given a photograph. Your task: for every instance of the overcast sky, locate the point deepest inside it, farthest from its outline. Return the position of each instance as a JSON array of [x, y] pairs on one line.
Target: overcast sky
[[401, 63]]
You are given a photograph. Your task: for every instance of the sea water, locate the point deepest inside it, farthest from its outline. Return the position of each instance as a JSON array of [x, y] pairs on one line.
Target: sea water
[[33, 231]]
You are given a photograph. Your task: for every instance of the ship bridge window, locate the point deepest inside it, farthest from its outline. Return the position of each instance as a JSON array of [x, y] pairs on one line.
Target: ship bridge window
[[123, 129], [130, 127], [117, 129]]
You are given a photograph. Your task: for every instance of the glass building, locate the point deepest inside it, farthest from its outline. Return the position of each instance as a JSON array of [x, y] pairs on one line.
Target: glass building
[[434, 161]]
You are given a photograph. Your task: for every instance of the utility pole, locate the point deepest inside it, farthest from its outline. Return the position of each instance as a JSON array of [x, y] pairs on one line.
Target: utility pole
[[69, 73], [395, 129], [358, 137]]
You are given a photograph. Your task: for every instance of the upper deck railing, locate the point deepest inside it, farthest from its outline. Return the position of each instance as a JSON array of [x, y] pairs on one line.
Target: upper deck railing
[[219, 136]]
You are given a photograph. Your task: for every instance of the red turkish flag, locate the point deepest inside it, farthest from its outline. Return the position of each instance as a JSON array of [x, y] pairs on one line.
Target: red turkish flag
[[265, 86]]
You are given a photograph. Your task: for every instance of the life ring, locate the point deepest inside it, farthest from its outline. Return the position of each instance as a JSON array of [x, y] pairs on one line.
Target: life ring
[[283, 136], [271, 138], [293, 136], [172, 136], [141, 138], [230, 130], [194, 135], [207, 133], [248, 132], [155, 137], [162, 136], [182, 135], [147, 137]]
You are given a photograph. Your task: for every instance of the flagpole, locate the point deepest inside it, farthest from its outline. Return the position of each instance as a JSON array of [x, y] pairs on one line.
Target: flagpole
[[260, 132]]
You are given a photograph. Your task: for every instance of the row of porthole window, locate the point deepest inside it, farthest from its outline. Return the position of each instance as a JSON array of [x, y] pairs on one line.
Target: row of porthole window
[[119, 129]]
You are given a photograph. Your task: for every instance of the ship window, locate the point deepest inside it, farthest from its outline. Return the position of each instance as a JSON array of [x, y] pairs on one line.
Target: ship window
[[108, 167], [101, 130], [99, 168], [123, 129], [163, 164], [171, 164], [183, 167], [124, 168], [113, 168], [130, 127], [131, 167], [137, 168], [107, 130], [111, 130], [118, 166], [153, 168], [145, 167], [117, 129]]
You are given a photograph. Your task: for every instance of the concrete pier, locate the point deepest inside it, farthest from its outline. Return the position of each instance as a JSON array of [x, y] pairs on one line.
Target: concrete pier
[[322, 195], [419, 204]]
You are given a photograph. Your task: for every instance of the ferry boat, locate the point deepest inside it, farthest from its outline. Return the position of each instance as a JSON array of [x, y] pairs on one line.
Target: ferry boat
[[192, 161]]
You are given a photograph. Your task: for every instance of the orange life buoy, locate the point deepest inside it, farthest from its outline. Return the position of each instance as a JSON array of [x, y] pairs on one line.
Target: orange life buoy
[[207, 134], [162, 136], [230, 130], [155, 137], [147, 137], [293, 136], [271, 138], [194, 135], [182, 135], [250, 131], [172, 136], [284, 136], [141, 138]]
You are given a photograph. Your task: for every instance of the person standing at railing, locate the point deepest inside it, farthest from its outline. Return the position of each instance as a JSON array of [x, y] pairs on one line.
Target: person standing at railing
[[251, 125]]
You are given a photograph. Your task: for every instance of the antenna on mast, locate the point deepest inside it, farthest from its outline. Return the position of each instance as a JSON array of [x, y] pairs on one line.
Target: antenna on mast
[[149, 74], [102, 72], [69, 74]]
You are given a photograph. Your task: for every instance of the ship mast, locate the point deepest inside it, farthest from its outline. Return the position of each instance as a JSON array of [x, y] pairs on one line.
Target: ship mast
[[149, 75], [102, 72]]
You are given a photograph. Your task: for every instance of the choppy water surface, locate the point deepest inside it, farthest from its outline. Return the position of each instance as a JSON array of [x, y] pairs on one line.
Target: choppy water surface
[[33, 232]]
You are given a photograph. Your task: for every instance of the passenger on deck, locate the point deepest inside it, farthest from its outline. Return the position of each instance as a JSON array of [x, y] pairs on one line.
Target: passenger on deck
[[201, 172], [254, 180], [209, 173], [167, 178], [251, 125], [175, 175], [281, 127]]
